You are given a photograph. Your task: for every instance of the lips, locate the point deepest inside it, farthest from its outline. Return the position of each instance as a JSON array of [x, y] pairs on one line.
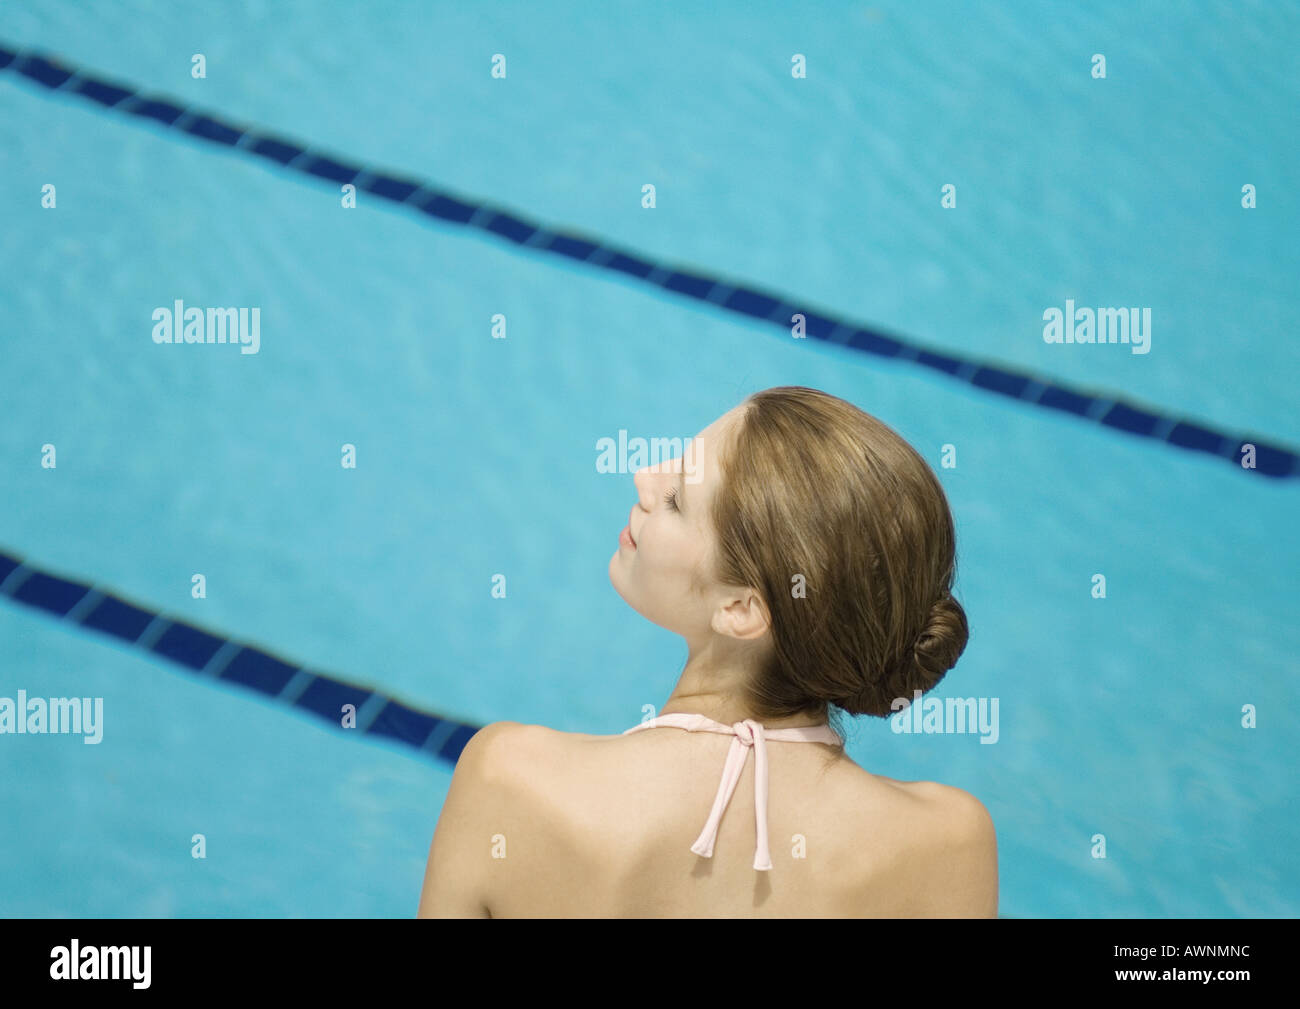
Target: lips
[[630, 534]]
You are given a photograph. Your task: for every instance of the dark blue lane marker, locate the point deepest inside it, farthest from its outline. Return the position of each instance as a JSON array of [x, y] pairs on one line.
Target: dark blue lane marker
[[1111, 411], [214, 656]]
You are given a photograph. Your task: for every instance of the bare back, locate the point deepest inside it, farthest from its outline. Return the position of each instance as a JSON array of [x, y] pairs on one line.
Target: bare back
[[602, 827]]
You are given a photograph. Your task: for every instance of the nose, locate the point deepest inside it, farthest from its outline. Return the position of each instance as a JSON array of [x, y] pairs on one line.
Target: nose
[[644, 481], [647, 481]]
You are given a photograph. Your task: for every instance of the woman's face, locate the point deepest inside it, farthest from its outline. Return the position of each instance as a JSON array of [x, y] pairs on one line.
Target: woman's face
[[663, 565]]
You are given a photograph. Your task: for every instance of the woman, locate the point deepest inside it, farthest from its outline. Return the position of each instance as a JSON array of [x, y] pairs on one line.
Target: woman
[[806, 554]]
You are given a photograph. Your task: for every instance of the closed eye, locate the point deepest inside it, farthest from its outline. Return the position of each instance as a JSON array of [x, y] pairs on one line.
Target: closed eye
[[670, 499]]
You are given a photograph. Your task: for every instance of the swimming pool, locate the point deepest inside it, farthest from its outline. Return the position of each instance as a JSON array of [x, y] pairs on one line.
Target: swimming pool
[[476, 456]]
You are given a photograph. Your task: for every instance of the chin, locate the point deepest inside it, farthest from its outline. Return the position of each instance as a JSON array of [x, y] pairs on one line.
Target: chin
[[618, 579], [616, 576]]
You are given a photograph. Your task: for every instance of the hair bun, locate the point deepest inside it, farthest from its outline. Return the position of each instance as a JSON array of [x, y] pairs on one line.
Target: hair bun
[[941, 642], [935, 651]]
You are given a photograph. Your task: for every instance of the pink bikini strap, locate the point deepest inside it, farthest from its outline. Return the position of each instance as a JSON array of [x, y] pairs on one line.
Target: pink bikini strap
[[746, 734]]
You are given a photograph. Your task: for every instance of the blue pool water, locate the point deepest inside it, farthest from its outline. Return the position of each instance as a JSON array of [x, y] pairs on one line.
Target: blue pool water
[[476, 457]]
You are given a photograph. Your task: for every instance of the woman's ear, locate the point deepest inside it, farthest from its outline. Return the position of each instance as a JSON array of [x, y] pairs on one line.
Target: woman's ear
[[742, 615]]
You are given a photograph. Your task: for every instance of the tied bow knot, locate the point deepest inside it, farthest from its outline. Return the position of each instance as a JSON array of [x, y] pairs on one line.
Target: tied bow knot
[[748, 735]]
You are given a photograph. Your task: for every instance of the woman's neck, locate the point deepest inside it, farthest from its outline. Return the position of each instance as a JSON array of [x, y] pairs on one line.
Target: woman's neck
[[715, 690]]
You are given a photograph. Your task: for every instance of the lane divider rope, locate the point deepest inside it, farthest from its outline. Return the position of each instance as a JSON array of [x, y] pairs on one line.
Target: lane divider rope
[[211, 655], [1105, 409]]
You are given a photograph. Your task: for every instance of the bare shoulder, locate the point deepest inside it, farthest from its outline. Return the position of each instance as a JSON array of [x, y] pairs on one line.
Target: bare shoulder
[[515, 753], [958, 845], [932, 850], [547, 780], [963, 815], [499, 747], [525, 778], [485, 805]]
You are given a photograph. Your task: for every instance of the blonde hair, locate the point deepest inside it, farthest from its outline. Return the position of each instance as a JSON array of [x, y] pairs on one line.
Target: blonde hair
[[814, 487]]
